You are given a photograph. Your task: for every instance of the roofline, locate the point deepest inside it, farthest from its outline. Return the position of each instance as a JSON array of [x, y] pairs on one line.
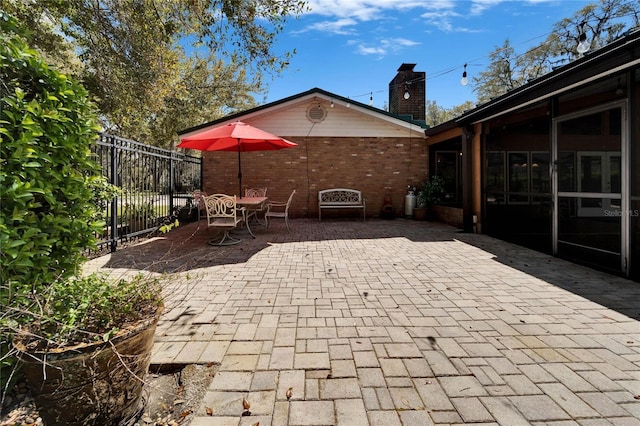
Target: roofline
[[442, 127], [310, 92], [618, 55]]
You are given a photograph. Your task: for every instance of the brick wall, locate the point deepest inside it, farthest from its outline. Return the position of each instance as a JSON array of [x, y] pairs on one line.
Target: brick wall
[[375, 166]]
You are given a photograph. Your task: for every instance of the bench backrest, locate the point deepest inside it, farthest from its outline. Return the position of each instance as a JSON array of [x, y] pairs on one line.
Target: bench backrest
[[340, 196]]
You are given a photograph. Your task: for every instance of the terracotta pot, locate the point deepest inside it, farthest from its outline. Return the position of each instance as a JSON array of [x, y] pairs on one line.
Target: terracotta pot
[[420, 213], [91, 384]]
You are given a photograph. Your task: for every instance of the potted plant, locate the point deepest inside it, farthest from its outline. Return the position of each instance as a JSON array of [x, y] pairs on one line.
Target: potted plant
[[66, 325], [430, 192]]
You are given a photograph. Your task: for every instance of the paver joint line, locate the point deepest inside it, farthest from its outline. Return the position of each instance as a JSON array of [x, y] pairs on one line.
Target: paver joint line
[[393, 322]]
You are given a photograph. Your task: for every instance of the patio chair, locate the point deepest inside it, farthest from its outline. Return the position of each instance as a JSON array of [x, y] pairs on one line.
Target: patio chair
[[223, 214], [198, 201], [279, 209], [255, 192]]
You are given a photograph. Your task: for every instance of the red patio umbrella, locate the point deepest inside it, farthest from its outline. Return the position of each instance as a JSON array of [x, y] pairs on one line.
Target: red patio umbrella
[[237, 136]]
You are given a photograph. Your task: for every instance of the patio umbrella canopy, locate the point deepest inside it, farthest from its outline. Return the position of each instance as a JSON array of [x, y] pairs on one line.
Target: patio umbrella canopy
[[237, 136]]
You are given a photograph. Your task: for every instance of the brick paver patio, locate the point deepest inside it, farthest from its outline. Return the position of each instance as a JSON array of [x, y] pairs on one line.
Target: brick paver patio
[[393, 323]]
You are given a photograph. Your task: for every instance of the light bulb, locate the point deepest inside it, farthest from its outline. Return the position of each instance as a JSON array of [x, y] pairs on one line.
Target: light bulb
[[406, 94], [464, 80], [584, 45]]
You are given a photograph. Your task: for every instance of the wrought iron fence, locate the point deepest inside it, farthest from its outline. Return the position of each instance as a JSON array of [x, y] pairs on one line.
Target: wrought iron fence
[[155, 184]]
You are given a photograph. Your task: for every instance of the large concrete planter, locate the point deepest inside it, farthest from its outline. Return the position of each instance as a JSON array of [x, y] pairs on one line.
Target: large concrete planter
[[91, 384]]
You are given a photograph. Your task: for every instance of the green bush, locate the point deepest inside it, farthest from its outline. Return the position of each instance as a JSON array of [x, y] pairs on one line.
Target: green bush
[[89, 309], [47, 216], [431, 192], [47, 128]]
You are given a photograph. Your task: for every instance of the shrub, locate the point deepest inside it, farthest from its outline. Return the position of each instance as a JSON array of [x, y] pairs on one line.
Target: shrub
[[89, 309], [47, 126]]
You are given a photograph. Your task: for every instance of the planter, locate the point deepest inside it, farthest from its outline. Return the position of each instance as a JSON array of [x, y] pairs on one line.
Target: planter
[[420, 213], [187, 214], [91, 384]]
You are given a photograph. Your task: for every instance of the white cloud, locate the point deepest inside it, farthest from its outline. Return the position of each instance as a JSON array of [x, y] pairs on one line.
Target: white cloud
[[369, 10], [445, 15], [383, 46], [341, 26]]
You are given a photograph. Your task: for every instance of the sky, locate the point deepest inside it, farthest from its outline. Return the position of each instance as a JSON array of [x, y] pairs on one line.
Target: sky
[[353, 48]]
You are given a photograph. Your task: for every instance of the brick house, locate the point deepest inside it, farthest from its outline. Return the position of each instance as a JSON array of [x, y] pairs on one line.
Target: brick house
[[341, 144]]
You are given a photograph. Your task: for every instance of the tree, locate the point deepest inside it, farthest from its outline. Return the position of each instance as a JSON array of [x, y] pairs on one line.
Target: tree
[[436, 114], [135, 60], [600, 22]]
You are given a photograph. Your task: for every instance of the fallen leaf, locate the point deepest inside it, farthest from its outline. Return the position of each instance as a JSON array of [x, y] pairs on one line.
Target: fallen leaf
[[209, 411], [289, 393], [245, 403], [186, 413], [179, 401]]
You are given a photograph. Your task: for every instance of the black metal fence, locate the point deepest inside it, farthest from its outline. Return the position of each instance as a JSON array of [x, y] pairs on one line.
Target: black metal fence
[[155, 184]]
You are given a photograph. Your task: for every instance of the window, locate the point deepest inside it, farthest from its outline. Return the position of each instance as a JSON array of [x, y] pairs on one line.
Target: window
[[448, 168], [518, 163]]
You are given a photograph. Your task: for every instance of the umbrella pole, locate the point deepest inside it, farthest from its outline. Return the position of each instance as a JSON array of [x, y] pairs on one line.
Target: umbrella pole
[[239, 172]]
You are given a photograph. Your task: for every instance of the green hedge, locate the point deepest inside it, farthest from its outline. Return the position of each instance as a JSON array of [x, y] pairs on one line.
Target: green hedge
[[47, 126]]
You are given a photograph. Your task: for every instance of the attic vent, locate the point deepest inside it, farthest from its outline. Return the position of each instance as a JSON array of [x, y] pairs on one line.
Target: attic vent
[[316, 113]]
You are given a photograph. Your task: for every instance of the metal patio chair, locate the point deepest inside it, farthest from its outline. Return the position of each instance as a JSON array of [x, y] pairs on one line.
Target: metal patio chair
[[223, 214], [277, 209], [198, 201]]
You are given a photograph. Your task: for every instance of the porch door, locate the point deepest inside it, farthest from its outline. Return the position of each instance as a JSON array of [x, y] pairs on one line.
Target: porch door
[[590, 194]]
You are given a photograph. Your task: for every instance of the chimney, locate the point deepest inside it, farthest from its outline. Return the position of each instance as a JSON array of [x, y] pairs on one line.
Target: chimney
[[407, 93]]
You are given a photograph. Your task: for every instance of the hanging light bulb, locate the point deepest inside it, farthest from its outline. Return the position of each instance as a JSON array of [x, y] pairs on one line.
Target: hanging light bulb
[[331, 103], [583, 43], [464, 80], [407, 95], [371, 99]]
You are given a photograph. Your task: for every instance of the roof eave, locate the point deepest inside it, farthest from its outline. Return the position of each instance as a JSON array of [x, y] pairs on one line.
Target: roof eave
[[312, 92]]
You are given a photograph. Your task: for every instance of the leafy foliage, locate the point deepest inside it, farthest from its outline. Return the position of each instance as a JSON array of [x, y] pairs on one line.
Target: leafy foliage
[[91, 308], [430, 192], [49, 189], [435, 114], [47, 128], [154, 67]]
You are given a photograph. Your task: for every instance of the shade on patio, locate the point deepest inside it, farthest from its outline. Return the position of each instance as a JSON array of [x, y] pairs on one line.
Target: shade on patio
[[237, 136]]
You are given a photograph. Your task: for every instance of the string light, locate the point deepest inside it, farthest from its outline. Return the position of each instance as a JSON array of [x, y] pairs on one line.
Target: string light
[[583, 44], [371, 99], [464, 80], [581, 38]]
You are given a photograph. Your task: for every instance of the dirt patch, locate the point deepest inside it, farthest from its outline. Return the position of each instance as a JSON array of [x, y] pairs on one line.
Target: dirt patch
[[172, 395]]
